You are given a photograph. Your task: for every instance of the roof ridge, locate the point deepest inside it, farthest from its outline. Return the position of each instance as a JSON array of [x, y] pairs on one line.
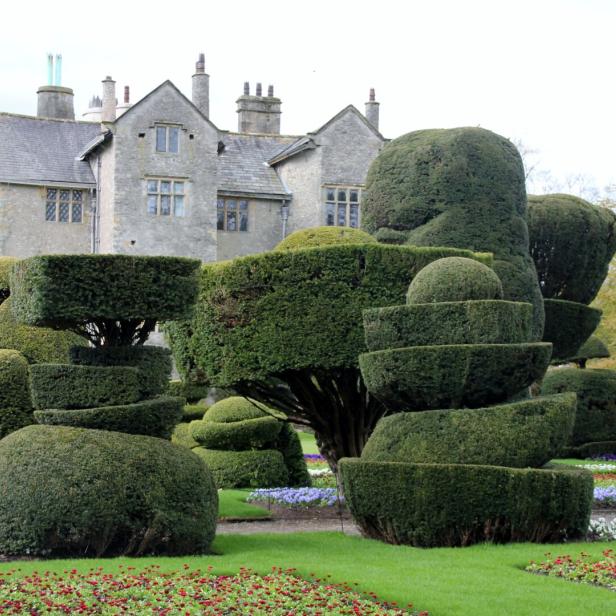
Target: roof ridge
[[40, 119]]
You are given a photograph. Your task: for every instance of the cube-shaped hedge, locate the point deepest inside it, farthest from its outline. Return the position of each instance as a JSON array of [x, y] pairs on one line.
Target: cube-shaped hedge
[[56, 289]]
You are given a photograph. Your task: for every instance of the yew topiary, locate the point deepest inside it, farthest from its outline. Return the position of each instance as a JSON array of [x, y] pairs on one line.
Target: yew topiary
[[324, 236]]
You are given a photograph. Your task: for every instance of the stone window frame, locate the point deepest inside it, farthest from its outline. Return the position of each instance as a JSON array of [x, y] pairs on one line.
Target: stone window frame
[[64, 205], [156, 195], [342, 205], [232, 209], [161, 126]]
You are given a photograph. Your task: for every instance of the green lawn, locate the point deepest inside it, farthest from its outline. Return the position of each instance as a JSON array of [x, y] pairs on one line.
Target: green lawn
[[232, 505], [309, 445], [479, 581]]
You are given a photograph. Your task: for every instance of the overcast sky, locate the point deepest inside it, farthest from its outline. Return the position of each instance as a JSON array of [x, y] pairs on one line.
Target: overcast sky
[[540, 71]]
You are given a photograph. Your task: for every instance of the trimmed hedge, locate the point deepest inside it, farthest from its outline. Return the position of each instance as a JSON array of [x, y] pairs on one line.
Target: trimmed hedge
[[155, 417], [193, 411], [64, 386], [245, 469], [39, 345], [595, 419], [593, 348], [15, 403], [181, 436], [454, 279], [56, 289], [462, 187], [193, 392], [568, 325], [290, 446], [262, 315], [471, 322], [237, 408], [153, 362], [324, 236], [89, 493], [430, 505], [571, 242], [520, 434], [259, 433], [6, 265], [454, 376]]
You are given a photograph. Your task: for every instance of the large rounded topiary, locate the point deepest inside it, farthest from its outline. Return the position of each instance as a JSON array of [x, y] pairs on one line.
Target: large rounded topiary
[[128, 495], [324, 236], [454, 279], [462, 187]]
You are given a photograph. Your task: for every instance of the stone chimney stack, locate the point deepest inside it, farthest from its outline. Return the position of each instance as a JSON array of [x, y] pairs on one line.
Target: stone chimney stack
[[201, 87], [55, 101], [258, 114], [125, 106], [109, 100], [372, 110]]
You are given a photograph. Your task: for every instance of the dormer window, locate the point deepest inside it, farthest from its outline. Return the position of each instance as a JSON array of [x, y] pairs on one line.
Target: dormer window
[[168, 139]]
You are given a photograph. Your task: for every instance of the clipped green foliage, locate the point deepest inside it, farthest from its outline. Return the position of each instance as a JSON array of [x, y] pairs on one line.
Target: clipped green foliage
[[181, 436], [39, 345], [520, 434], [454, 279], [153, 363], [260, 433], [15, 403], [462, 187], [430, 505], [595, 419], [193, 392], [262, 315], [453, 376], [324, 236], [193, 411], [290, 446], [237, 408], [156, 417], [64, 386], [571, 242], [55, 289], [593, 348], [472, 322], [129, 495], [6, 264], [568, 325], [245, 469]]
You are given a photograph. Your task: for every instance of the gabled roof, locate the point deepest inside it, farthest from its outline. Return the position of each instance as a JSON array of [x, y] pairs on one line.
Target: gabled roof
[[302, 144], [99, 140], [42, 151], [347, 109], [243, 168]]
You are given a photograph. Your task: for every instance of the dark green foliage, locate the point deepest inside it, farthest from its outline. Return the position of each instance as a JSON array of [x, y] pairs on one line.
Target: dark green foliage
[[587, 450], [111, 300], [39, 345], [153, 362], [454, 376], [64, 386], [520, 434], [193, 411], [245, 469], [193, 392], [89, 493], [431, 505], [6, 264], [572, 243], [454, 279], [462, 187], [15, 403], [324, 236], [568, 325], [595, 419], [181, 436], [593, 348], [472, 322], [290, 446], [260, 433], [156, 417], [237, 408]]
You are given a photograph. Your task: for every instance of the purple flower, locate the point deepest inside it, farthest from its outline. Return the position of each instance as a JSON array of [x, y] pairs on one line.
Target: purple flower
[[604, 456], [297, 497], [605, 497]]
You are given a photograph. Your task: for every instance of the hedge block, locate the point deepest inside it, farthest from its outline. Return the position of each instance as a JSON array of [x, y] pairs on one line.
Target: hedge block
[[15, 402], [260, 433]]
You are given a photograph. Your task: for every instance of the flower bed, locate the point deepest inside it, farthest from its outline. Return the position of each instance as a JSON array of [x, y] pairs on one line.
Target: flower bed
[[583, 569], [151, 592], [314, 459], [604, 496], [296, 497], [602, 530]]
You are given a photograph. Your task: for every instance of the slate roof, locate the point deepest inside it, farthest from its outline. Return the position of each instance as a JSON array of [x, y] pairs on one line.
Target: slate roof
[[42, 151], [243, 168]]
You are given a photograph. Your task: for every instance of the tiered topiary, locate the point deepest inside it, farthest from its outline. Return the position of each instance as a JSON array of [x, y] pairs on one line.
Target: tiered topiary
[[96, 478], [247, 445], [451, 469]]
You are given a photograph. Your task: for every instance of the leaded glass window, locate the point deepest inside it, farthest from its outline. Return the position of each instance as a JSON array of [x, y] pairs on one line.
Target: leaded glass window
[[64, 205], [232, 215], [342, 206], [165, 198]]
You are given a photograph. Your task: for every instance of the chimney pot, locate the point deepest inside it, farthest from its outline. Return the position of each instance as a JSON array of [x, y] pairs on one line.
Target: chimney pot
[[270, 91], [259, 90], [372, 95], [246, 88], [126, 95], [200, 66]]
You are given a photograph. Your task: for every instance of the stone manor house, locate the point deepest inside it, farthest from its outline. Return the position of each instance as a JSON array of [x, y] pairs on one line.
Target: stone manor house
[[158, 177]]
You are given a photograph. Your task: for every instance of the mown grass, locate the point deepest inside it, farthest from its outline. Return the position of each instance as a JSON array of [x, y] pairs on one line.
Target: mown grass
[[483, 580], [309, 445], [232, 505]]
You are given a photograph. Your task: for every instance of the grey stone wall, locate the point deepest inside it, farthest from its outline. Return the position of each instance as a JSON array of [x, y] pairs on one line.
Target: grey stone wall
[[135, 159], [24, 232]]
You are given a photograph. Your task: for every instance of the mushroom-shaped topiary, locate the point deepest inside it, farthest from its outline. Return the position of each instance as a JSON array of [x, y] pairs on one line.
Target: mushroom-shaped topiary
[[454, 279], [324, 236]]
